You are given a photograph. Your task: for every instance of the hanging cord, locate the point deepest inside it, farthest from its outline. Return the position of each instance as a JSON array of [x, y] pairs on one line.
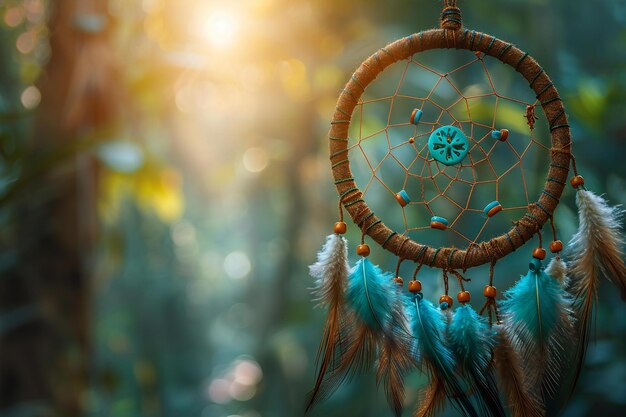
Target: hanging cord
[[445, 282], [451, 20], [400, 258], [460, 278], [554, 238], [490, 303]]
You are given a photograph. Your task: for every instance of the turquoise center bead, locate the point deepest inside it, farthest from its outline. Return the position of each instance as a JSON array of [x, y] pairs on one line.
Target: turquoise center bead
[[448, 145]]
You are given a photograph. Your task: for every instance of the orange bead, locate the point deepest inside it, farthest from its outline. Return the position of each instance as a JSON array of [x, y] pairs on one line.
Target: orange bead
[[489, 291], [411, 140], [438, 225], [556, 246], [401, 200], [577, 181], [494, 210], [539, 253], [504, 134], [363, 250], [340, 228], [446, 299], [399, 281], [415, 286], [463, 296]]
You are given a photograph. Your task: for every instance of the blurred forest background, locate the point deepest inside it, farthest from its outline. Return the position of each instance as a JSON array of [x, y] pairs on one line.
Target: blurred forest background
[[164, 183]]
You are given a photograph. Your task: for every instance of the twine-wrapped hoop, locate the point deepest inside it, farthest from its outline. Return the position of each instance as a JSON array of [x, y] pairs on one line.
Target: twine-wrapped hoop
[[452, 35]]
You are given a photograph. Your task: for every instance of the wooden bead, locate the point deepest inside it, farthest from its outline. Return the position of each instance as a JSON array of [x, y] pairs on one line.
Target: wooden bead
[[340, 228], [399, 281], [539, 253], [415, 286], [463, 296], [411, 140], [489, 291], [577, 181], [556, 246], [446, 299], [363, 250], [504, 134]]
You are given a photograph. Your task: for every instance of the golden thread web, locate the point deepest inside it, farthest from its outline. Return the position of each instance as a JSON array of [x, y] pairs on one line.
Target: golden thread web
[[431, 184]]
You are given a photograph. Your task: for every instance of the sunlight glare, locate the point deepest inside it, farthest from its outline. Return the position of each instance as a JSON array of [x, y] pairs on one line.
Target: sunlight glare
[[220, 29]]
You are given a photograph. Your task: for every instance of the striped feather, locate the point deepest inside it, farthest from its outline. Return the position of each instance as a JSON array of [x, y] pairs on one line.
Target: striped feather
[[596, 251], [331, 274], [521, 401]]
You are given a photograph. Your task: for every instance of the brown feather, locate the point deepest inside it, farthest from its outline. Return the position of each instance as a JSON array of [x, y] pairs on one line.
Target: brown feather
[[395, 362], [596, 252], [521, 400], [431, 399], [331, 271]]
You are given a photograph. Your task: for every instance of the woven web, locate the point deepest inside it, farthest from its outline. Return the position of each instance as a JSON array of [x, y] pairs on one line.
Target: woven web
[[389, 154]]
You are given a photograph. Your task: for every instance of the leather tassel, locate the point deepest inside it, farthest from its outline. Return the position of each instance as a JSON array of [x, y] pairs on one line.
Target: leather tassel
[[428, 326], [472, 341], [595, 252], [537, 315], [521, 401], [331, 274]]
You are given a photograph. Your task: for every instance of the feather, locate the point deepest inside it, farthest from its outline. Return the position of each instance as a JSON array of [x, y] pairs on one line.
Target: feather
[[375, 300], [331, 273], [538, 317], [395, 360], [431, 399], [368, 294], [472, 341], [371, 323], [596, 252], [428, 326], [557, 269], [521, 400]]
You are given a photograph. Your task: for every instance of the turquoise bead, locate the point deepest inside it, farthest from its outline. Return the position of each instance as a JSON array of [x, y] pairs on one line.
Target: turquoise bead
[[534, 265], [448, 145], [416, 115], [496, 134], [405, 196], [439, 219]]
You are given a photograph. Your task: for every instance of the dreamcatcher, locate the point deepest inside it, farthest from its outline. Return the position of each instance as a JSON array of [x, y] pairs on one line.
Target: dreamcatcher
[[447, 168]]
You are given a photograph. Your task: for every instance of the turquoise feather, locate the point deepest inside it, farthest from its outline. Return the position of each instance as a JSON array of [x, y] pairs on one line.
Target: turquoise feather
[[472, 341], [428, 326], [370, 294], [375, 328], [537, 315]]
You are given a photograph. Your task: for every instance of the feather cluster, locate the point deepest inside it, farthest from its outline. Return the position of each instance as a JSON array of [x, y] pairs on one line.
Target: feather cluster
[[538, 319], [596, 252], [428, 327], [472, 341], [370, 326]]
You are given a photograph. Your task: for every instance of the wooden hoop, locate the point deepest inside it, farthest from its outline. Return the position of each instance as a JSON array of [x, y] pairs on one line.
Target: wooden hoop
[[538, 213]]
